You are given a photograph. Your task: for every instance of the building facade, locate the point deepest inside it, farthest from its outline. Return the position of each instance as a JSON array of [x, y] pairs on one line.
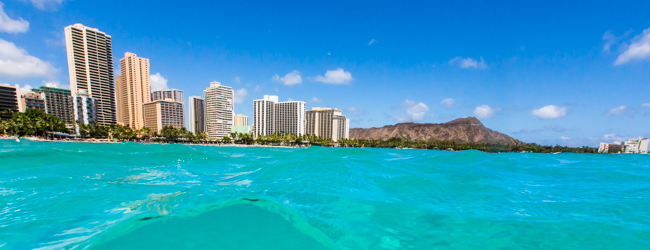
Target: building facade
[[271, 116], [174, 94], [219, 110], [327, 123], [197, 114], [8, 99], [637, 146], [90, 65], [133, 90], [32, 100], [84, 107], [58, 102], [241, 120], [163, 113]]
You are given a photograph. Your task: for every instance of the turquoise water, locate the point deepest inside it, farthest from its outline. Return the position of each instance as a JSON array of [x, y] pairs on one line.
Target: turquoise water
[[134, 196]]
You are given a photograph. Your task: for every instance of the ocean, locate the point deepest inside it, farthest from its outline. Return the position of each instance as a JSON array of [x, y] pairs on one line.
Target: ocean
[[56, 195]]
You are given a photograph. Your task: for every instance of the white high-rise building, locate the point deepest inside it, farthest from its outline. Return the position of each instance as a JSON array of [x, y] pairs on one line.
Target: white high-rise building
[[174, 94], [90, 65], [84, 107], [271, 116], [219, 110], [327, 123], [197, 114]]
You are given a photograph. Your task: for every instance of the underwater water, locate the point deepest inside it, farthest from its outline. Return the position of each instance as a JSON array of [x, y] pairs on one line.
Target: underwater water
[[133, 196]]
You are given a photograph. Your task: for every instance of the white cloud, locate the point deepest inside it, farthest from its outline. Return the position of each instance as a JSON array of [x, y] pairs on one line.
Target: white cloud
[[468, 63], [290, 99], [329, 54], [550, 112], [608, 39], [240, 95], [47, 4], [17, 63], [372, 41], [484, 111], [337, 76], [647, 105], [257, 88], [9, 25], [237, 80], [639, 49], [613, 137], [56, 85], [290, 78], [26, 88], [449, 103], [158, 82], [276, 89], [414, 111], [618, 111], [315, 100], [564, 138]]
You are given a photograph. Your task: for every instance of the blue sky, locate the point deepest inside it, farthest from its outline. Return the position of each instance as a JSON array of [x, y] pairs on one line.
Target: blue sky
[[547, 72]]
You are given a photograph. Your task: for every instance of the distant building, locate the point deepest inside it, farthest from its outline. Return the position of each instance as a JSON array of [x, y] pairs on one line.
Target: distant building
[[31, 100], [8, 99], [637, 146], [174, 94], [133, 90], [612, 148], [197, 114], [84, 107], [241, 120], [327, 123], [219, 110], [58, 102], [90, 64], [163, 113], [271, 116]]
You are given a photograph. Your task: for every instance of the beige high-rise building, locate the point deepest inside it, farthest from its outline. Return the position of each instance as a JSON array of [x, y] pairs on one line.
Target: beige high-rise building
[[241, 120], [133, 90], [90, 65], [219, 110], [327, 123], [163, 113]]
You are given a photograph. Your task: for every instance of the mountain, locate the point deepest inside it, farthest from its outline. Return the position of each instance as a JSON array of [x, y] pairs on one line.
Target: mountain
[[469, 130]]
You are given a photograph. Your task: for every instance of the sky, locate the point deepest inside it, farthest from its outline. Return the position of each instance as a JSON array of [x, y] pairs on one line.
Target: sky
[[550, 72]]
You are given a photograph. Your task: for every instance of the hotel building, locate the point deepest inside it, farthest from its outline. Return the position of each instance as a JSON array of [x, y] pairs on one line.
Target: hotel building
[[8, 99], [174, 94], [327, 123], [241, 120], [219, 110], [271, 116], [90, 65], [163, 113], [31, 100], [133, 90], [58, 102], [84, 107], [197, 114]]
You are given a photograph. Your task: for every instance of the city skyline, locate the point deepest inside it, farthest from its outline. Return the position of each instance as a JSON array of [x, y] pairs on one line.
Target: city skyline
[[578, 79]]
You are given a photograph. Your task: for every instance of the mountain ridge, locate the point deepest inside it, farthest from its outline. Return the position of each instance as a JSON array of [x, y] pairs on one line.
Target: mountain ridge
[[468, 130]]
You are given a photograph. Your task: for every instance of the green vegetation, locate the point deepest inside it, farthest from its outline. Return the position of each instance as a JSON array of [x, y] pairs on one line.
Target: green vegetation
[[33, 122], [446, 145]]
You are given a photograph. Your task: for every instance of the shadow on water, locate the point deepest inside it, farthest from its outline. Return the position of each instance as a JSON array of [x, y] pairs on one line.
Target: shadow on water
[[239, 226]]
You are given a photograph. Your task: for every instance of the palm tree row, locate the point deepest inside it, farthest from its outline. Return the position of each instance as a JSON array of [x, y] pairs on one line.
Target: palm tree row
[[33, 122]]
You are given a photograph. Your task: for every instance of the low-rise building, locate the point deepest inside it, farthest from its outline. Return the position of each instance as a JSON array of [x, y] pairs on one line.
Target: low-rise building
[[611, 148], [58, 102], [637, 146], [163, 113], [241, 120], [31, 100]]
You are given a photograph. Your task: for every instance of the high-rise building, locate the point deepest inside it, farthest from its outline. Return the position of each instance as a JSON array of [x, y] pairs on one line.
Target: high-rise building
[[219, 110], [174, 94], [327, 123], [31, 100], [163, 113], [84, 107], [90, 64], [133, 90], [241, 120], [8, 99], [637, 146], [58, 102], [271, 116], [197, 114]]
